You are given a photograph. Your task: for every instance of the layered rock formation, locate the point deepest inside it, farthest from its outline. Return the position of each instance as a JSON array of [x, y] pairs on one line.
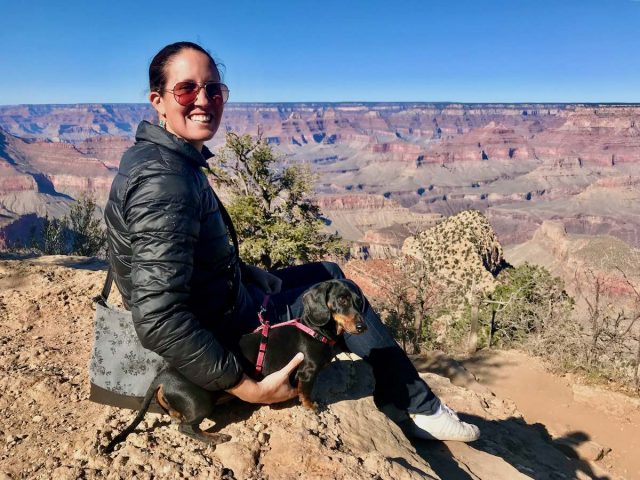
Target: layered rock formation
[[521, 163], [24, 191], [580, 260], [65, 168], [376, 224], [72, 123], [462, 250], [41, 178]]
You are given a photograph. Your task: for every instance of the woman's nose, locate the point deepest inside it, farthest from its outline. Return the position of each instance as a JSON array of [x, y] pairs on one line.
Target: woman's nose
[[202, 98]]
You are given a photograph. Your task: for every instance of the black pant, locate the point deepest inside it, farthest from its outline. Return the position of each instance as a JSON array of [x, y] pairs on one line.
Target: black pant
[[397, 381]]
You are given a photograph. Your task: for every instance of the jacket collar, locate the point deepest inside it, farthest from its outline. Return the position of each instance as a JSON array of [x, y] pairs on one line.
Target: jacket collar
[[149, 132]]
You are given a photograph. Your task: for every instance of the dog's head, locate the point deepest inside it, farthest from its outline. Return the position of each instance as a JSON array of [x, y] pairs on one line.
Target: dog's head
[[333, 301]]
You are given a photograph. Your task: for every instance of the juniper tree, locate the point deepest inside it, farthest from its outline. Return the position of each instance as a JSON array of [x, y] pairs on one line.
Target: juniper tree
[[78, 233], [54, 236], [277, 222], [88, 235], [527, 301]]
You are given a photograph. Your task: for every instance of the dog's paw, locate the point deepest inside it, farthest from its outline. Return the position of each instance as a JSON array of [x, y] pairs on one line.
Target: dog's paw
[[308, 403], [213, 438]]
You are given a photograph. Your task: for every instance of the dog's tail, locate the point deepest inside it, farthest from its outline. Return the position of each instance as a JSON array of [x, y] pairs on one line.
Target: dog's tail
[[143, 410]]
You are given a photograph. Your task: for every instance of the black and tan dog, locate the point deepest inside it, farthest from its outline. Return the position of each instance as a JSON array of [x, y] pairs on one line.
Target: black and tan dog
[[329, 309]]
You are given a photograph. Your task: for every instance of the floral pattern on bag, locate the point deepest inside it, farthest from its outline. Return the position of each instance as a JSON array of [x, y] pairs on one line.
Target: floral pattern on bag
[[119, 363]]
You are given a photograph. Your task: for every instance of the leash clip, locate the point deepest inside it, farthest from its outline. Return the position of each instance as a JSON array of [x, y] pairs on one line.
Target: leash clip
[[261, 313], [263, 310]]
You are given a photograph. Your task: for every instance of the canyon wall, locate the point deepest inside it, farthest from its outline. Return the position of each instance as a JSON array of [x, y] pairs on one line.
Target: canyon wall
[[380, 166]]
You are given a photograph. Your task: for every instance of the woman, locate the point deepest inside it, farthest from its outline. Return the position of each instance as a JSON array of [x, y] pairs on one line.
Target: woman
[[174, 255]]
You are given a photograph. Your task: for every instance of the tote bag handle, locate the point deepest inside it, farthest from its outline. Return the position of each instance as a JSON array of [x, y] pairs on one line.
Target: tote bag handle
[[106, 289]]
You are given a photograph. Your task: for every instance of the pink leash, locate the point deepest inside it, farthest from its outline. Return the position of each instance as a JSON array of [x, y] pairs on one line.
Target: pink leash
[[265, 327]]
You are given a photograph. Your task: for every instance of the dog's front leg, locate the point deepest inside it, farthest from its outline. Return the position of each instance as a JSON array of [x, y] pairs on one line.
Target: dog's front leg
[[306, 379]]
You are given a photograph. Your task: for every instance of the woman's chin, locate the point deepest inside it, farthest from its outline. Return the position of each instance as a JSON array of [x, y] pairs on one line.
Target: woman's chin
[[201, 132]]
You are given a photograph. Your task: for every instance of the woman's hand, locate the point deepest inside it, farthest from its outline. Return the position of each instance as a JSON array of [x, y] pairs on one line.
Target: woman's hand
[[274, 388], [267, 282]]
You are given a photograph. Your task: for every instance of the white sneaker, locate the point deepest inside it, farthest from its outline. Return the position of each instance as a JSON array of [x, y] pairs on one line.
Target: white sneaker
[[443, 425]]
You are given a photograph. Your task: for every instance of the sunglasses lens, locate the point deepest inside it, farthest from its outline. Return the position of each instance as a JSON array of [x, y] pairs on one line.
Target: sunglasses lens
[[185, 92], [225, 92], [217, 90]]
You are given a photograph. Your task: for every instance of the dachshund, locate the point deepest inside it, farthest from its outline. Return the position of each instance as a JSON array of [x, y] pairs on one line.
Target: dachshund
[[329, 309]]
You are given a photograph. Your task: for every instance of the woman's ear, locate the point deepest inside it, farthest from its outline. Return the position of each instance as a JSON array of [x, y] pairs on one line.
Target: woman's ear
[[315, 306], [156, 101]]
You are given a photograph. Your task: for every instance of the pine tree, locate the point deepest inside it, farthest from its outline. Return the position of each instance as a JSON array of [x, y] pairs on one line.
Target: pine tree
[[277, 222]]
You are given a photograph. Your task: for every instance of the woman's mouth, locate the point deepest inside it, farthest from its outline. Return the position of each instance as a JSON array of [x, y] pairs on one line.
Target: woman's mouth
[[200, 118]]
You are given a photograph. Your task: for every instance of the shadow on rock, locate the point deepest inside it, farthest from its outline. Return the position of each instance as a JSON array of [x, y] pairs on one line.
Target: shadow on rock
[[343, 379], [442, 460], [509, 448], [233, 411], [80, 263], [442, 364]]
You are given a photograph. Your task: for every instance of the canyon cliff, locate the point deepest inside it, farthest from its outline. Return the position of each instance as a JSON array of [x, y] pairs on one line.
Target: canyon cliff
[[384, 169]]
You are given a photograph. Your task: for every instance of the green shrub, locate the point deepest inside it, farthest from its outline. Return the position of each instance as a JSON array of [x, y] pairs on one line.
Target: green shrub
[[277, 222], [78, 233]]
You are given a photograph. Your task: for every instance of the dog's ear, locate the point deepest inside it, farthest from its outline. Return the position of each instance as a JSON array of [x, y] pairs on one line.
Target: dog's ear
[[357, 302], [314, 301]]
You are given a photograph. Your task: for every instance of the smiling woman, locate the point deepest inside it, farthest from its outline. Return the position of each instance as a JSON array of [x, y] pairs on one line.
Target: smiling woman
[[192, 108], [175, 259], [172, 247]]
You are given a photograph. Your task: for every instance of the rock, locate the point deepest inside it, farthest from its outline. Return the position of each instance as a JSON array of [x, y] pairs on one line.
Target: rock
[[463, 247], [140, 440], [136, 456], [577, 446], [237, 457], [66, 473], [263, 438], [612, 403], [79, 455], [508, 448], [440, 363], [97, 462], [348, 430]]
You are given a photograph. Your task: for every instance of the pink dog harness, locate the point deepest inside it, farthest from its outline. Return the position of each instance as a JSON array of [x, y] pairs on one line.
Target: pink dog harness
[[265, 327]]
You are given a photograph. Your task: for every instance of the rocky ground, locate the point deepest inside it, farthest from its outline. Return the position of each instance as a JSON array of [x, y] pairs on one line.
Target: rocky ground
[[49, 429]]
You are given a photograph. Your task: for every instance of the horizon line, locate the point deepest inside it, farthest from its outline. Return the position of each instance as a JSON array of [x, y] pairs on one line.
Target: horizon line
[[346, 102]]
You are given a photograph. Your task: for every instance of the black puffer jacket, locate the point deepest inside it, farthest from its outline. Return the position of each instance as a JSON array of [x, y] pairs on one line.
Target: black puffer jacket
[[174, 259]]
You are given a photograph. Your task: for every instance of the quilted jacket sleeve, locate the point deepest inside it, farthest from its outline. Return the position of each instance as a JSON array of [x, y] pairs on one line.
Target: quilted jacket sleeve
[[162, 213]]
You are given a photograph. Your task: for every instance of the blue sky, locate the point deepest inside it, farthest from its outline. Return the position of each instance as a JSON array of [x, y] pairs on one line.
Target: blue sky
[[397, 50]]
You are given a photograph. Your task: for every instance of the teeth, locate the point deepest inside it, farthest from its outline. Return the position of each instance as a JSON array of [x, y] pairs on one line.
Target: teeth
[[200, 118]]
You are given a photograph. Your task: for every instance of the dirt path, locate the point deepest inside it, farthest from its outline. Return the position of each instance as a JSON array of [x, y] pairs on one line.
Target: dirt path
[[592, 416]]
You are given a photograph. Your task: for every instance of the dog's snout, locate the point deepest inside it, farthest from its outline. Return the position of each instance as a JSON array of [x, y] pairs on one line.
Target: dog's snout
[[361, 327]]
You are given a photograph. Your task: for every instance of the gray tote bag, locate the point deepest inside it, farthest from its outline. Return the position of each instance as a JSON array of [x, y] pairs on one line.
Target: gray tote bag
[[120, 369]]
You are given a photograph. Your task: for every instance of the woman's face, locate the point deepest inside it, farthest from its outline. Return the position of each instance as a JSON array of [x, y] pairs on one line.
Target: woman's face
[[199, 121]]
